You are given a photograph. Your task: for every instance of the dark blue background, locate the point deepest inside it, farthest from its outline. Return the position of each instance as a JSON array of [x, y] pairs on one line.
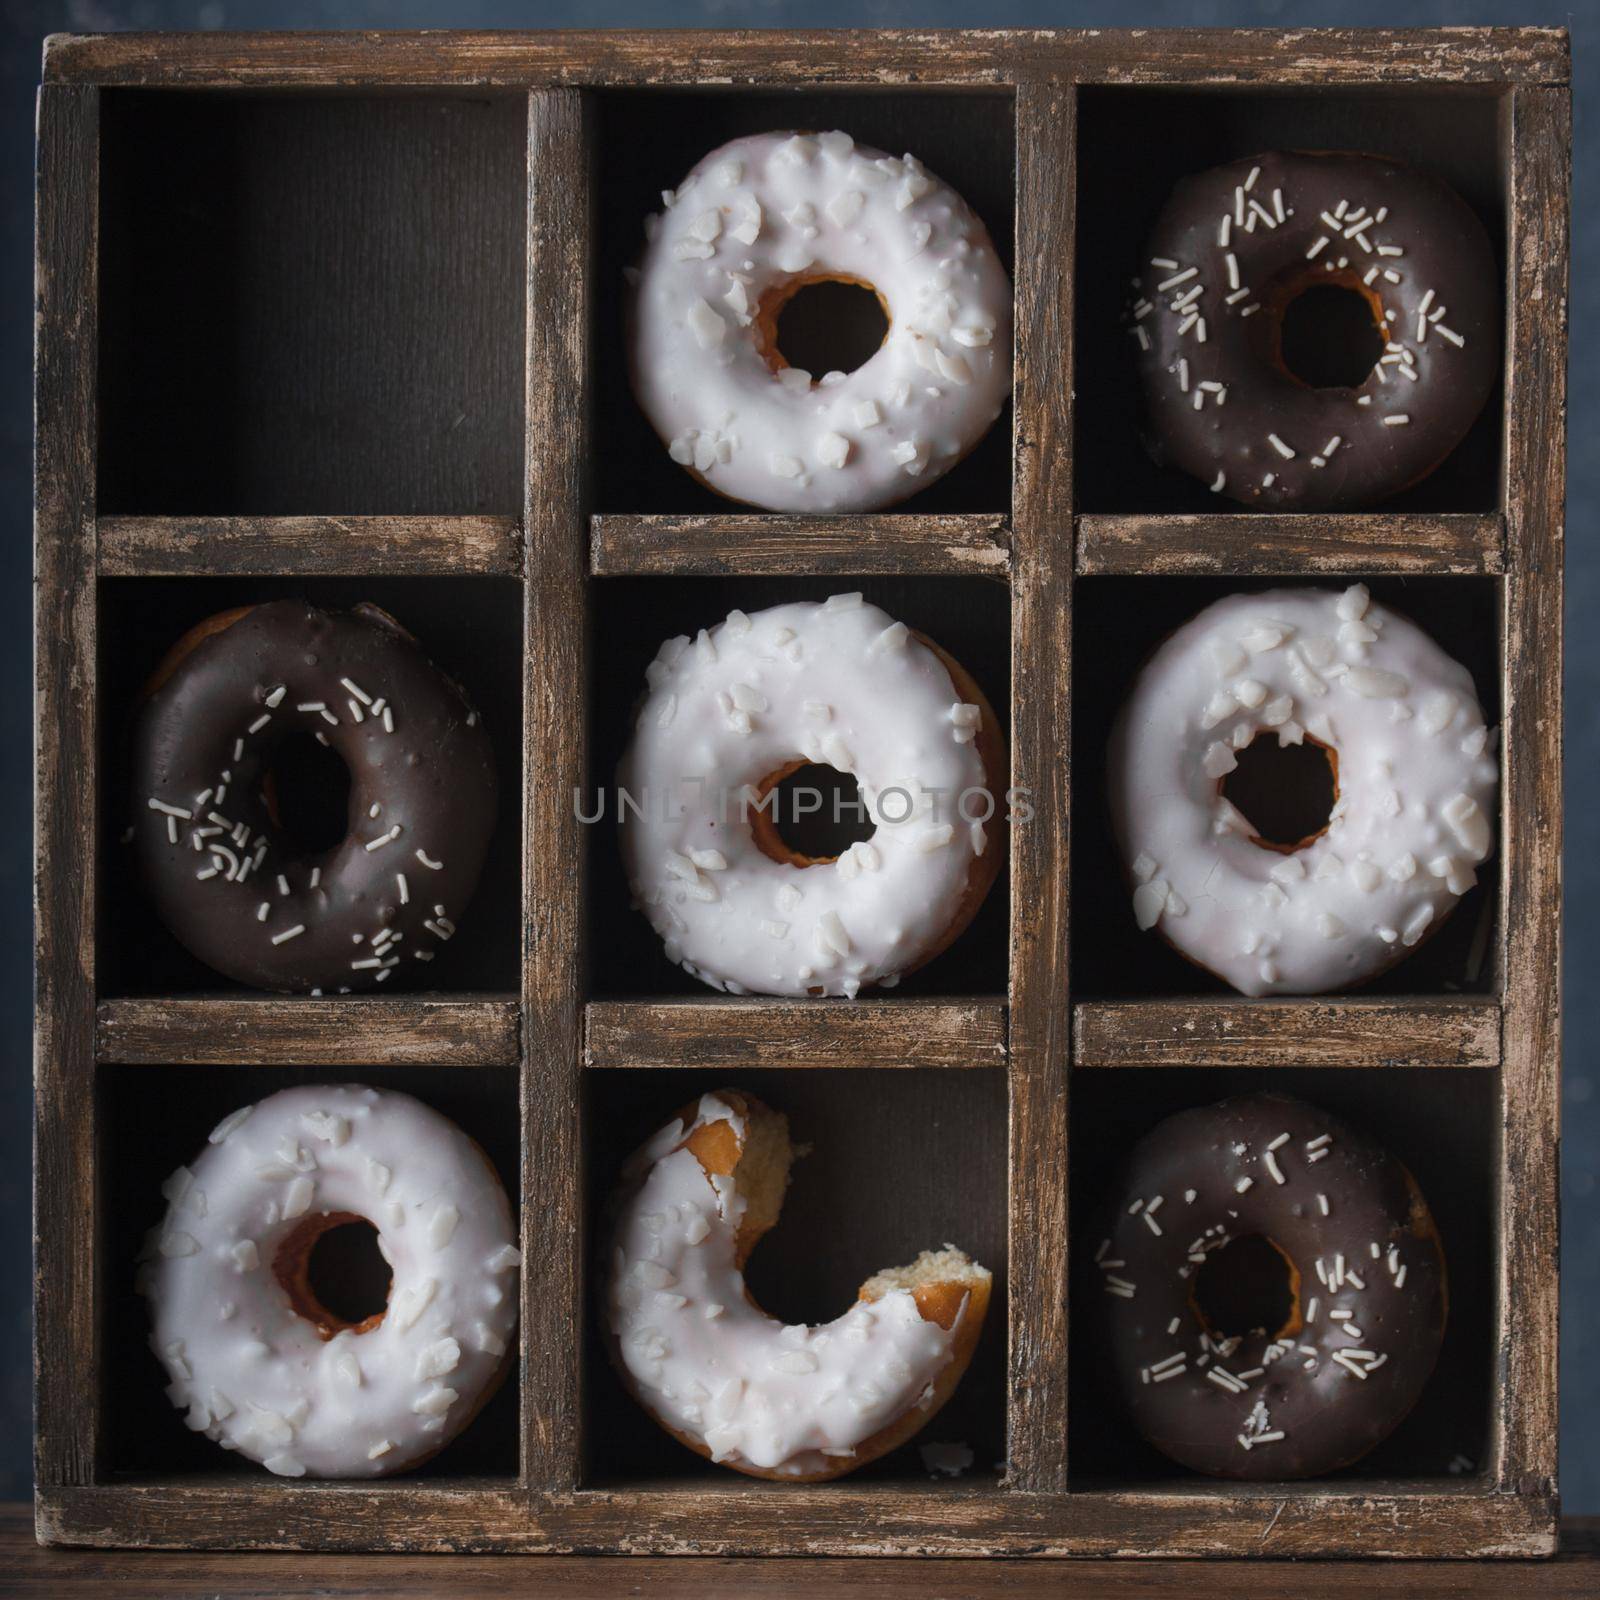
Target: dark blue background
[[25, 24]]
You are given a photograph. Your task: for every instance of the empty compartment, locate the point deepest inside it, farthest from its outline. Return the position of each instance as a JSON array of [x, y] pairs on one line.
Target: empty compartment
[[471, 628], [898, 1162], [1119, 623], [649, 140], [968, 618], [1136, 143], [1440, 1123], [153, 1119], [311, 303]]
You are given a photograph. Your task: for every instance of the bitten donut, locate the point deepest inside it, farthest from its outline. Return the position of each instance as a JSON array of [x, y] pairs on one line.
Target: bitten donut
[[228, 881], [754, 222], [797, 1403], [730, 714], [257, 1362], [1415, 781], [1234, 248], [1364, 1292]]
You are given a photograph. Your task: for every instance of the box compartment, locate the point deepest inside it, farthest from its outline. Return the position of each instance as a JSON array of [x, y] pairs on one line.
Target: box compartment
[[1439, 1122], [969, 618], [648, 139], [312, 303], [155, 1119], [470, 627], [1135, 144], [1120, 621], [900, 1161]]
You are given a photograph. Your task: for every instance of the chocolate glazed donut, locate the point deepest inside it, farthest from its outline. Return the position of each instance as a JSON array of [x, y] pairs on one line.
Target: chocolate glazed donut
[[1339, 1229], [1234, 248], [225, 877]]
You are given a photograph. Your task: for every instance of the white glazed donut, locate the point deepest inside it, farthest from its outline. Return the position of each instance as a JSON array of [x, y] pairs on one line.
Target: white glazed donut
[[754, 221], [747, 702], [1416, 785], [773, 1401], [256, 1362]]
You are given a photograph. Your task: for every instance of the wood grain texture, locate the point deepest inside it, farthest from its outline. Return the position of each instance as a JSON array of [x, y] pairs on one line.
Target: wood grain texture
[[1302, 544], [723, 1033], [163, 547], [274, 1030], [560, 167], [894, 542], [1525, 1411], [1315, 57], [1041, 728], [35, 1573], [1287, 1033], [66, 795], [1411, 1518]]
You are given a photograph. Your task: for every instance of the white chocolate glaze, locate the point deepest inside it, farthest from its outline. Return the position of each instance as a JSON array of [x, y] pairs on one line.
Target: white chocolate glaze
[[714, 1367], [752, 217], [255, 1375], [837, 682], [1417, 788]]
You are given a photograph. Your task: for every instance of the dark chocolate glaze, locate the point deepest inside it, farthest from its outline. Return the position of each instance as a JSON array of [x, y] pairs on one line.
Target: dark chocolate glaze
[[1328, 1414], [433, 776], [1444, 250]]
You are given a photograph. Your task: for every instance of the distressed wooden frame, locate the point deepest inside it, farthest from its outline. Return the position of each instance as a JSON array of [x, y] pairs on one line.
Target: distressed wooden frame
[[1037, 1035]]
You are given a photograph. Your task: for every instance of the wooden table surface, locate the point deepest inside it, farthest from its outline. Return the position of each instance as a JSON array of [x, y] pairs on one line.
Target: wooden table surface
[[28, 1570]]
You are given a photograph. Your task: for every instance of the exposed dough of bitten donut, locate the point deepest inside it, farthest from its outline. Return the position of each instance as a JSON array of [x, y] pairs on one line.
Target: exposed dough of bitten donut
[[761, 217], [258, 1364], [745, 703], [800, 1404], [1416, 775]]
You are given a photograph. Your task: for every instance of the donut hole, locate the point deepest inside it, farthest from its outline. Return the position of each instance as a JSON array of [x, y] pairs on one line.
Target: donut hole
[[333, 1271], [810, 814], [1246, 1287], [1330, 336], [1285, 792], [828, 325], [308, 793]]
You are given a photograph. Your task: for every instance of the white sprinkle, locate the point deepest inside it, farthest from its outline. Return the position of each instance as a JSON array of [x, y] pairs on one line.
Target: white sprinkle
[[289, 933], [171, 811], [260, 722], [384, 838], [1396, 420], [1271, 1163], [423, 858], [1278, 445], [1242, 1185]]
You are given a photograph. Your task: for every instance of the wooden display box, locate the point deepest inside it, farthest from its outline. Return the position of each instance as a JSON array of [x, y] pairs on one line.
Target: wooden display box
[[338, 315]]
